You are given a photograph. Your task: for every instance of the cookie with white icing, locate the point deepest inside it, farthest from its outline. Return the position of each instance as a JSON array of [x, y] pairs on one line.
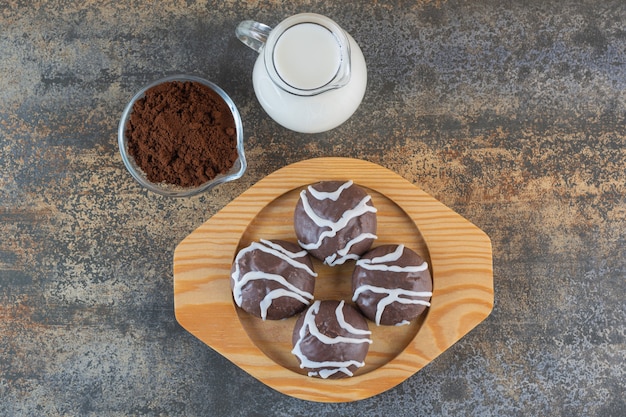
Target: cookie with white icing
[[272, 279], [331, 339], [335, 221], [391, 285]]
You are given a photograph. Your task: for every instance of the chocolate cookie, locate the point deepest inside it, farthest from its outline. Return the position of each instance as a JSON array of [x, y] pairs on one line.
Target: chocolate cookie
[[391, 285], [272, 279], [331, 339], [335, 221]]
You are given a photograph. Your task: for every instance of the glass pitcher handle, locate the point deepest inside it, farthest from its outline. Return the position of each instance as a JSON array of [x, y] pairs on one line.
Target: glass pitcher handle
[[253, 34]]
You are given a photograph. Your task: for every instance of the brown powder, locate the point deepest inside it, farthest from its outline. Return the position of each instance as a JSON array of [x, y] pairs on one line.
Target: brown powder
[[182, 133]]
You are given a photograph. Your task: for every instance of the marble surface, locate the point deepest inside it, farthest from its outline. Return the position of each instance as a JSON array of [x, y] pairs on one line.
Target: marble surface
[[511, 113]]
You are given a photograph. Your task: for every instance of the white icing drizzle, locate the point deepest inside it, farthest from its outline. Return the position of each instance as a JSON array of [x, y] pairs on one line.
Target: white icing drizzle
[[281, 292], [328, 368], [361, 208], [332, 260], [335, 226], [342, 255], [325, 373], [337, 339], [292, 255], [269, 247], [390, 257], [333, 195], [393, 295], [289, 289], [341, 319], [379, 263]]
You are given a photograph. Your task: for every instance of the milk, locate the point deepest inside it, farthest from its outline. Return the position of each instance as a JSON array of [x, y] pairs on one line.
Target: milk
[[310, 75], [307, 56]]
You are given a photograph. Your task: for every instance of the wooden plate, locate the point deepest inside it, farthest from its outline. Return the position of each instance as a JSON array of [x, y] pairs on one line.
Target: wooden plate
[[459, 255]]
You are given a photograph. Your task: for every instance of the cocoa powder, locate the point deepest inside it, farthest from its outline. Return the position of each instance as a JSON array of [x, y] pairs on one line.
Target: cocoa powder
[[182, 133]]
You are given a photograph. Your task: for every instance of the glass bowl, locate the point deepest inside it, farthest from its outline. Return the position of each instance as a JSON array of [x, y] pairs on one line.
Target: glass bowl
[[172, 190]]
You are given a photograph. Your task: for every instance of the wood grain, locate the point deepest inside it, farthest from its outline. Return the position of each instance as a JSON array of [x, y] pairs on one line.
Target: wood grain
[[458, 253]]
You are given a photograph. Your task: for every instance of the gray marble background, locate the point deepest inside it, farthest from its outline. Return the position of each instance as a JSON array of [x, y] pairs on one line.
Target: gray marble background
[[511, 113]]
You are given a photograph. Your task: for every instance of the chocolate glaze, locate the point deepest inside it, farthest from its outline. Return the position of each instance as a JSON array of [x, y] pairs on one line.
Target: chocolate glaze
[[343, 240], [340, 349], [279, 272], [399, 292]]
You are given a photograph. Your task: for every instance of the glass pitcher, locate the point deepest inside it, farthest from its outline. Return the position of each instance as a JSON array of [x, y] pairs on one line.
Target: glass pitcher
[[310, 75]]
